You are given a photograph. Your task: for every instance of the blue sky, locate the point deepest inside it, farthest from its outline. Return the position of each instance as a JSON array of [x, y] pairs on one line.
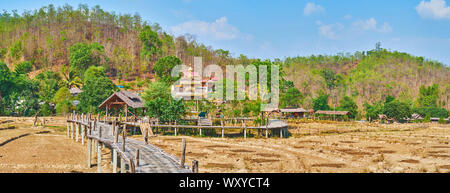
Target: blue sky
[[282, 28]]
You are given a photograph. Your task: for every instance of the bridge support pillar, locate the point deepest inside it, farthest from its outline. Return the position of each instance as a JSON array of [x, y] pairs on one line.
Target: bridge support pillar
[[114, 161], [77, 132], [122, 166], [68, 129], [99, 158], [83, 129], [281, 133], [72, 130], [89, 143]]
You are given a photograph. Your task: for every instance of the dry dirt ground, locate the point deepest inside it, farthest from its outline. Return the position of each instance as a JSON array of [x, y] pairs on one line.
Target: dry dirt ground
[[312, 147], [28, 149]]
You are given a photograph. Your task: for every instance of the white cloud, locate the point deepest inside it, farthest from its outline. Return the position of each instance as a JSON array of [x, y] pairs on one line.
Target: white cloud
[[219, 29], [339, 31], [436, 9], [372, 25], [330, 31], [348, 16], [311, 8]]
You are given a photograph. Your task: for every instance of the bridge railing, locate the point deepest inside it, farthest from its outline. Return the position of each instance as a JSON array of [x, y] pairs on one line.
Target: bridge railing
[[112, 135]]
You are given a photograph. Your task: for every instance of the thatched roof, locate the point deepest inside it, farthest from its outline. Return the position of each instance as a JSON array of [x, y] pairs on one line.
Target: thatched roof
[[129, 98], [293, 110], [333, 112]]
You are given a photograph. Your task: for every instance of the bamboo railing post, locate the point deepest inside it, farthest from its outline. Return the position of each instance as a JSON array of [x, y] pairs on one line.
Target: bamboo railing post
[[114, 160], [131, 165], [122, 166], [245, 129], [89, 152], [113, 126], [137, 158], [83, 129], [124, 136], [194, 166], [116, 140], [68, 126], [221, 123], [77, 129], [281, 133], [99, 158], [175, 128], [183, 152]]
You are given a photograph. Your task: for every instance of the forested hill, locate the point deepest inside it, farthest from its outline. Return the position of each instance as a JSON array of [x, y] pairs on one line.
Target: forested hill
[[57, 38]]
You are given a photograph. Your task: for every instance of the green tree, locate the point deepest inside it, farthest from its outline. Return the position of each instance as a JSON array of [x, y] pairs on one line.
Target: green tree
[[83, 55], [151, 43], [163, 68], [63, 101], [159, 103], [94, 71], [292, 98], [49, 82], [16, 50], [95, 91], [321, 102], [431, 111], [156, 90], [348, 104], [331, 78], [23, 67], [372, 111], [397, 110], [428, 96]]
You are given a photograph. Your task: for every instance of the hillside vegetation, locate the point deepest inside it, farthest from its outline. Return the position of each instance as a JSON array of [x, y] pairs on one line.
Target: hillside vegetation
[[46, 51]]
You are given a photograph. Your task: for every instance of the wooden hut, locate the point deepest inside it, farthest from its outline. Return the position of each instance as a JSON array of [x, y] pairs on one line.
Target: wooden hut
[[293, 112], [333, 114], [123, 99]]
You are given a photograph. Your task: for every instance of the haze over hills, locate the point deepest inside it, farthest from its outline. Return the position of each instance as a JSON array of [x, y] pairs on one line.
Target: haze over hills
[[44, 38]]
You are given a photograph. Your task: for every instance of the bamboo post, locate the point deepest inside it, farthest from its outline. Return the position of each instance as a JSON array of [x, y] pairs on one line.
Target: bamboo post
[[122, 166], [99, 158], [131, 165], [116, 140], [175, 128], [68, 126], [245, 129], [194, 166], [137, 158], [83, 130], [183, 152], [124, 136], [113, 126], [89, 152], [221, 123], [77, 130], [114, 160]]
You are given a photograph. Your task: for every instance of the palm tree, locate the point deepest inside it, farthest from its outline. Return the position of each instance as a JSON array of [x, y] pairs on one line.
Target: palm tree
[[71, 80]]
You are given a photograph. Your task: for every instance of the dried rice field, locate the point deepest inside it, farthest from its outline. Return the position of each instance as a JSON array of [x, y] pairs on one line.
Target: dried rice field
[[314, 147], [311, 147], [28, 149]]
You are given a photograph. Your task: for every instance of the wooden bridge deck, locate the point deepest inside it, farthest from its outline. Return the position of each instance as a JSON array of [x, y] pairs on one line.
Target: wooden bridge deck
[[151, 158]]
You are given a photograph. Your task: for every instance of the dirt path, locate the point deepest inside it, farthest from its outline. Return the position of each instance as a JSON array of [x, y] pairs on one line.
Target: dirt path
[[43, 150]]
